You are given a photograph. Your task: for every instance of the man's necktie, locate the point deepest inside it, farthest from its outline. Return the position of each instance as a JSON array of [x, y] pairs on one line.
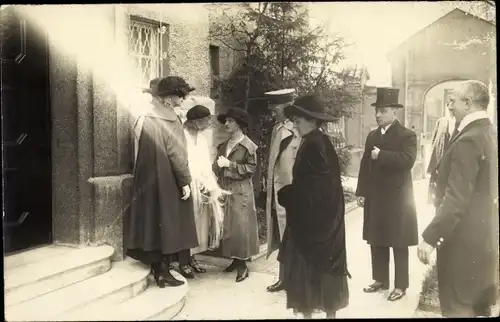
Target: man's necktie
[[455, 132]]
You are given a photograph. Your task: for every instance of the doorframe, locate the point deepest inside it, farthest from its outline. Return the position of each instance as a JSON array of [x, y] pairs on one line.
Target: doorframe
[[26, 24], [48, 100]]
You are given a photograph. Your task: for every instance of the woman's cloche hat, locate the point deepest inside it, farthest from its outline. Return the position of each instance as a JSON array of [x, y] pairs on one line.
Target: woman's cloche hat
[[197, 112], [238, 114], [311, 106], [387, 97], [173, 85]]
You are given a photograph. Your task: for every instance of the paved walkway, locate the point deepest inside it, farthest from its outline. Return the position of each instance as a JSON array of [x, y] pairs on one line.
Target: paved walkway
[[215, 295]]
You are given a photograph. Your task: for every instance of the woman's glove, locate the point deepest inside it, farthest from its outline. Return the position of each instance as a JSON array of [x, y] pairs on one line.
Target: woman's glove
[[223, 162]]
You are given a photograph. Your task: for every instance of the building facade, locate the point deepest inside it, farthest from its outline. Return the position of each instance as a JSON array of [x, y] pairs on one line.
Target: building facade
[[427, 65], [82, 193]]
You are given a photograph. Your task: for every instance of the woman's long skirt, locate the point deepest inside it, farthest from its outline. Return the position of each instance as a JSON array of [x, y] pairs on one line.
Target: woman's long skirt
[[201, 217], [309, 290], [241, 237]]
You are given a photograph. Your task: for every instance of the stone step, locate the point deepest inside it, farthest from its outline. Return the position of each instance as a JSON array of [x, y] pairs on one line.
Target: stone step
[[40, 271], [154, 303], [123, 281]]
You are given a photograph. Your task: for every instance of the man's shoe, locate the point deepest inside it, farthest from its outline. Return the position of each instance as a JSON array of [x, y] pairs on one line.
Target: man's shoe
[[375, 287], [396, 295], [276, 287]]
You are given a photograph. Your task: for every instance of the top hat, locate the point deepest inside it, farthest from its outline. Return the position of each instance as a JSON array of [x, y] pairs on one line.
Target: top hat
[[311, 106], [387, 97], [153, 87], [238, 114], [197, 112], [281, 96], [173, 85]]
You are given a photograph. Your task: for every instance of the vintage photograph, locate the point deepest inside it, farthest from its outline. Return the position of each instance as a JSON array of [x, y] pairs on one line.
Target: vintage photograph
[[249, 160]]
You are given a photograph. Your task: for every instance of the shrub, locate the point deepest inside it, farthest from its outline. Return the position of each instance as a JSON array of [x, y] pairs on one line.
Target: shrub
[[429, 297]]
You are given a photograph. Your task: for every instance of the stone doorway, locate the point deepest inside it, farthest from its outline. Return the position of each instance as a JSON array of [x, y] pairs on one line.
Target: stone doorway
[[26, 132]]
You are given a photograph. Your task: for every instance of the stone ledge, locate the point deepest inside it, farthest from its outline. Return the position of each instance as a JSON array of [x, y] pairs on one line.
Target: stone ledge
[[112, 195]]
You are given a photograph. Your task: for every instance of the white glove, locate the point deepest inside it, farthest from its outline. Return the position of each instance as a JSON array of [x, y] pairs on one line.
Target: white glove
[[186, 192], [223, 162]]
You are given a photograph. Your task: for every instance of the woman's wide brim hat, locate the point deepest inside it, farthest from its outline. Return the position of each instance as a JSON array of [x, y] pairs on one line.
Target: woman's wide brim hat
[[153, 86], [311, 106], [238, 114], [387, 97], [173, 85]]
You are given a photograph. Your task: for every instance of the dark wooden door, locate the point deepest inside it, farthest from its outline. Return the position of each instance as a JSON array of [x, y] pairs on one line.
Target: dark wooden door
[[26, 134]]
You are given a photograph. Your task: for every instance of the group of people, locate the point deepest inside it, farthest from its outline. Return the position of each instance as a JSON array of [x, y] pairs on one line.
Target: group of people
[[182, 203], [463, 189], [185, 203]]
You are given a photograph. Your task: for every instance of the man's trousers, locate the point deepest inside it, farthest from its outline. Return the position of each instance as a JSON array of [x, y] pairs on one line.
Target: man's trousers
[[380, 266]]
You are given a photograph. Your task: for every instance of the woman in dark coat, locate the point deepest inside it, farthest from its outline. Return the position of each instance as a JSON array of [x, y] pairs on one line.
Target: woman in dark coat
[[234, 166], [161, 225], [313, 250]]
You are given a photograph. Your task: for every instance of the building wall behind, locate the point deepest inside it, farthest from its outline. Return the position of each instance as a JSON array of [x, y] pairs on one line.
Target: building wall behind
[[430, 57], [188, 50]]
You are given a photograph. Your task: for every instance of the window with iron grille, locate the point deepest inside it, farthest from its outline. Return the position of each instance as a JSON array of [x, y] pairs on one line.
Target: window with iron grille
[[145, 49]]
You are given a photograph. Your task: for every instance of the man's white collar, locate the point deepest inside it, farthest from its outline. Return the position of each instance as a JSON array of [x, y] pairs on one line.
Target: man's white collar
[[469, 118]]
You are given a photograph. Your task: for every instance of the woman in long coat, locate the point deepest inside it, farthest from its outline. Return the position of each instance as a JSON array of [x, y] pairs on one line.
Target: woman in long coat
[[234, 166], [161, 223], [313, 250]]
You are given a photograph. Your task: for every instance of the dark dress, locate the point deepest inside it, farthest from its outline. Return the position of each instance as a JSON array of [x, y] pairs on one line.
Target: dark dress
[[313, 250], [160, 223]]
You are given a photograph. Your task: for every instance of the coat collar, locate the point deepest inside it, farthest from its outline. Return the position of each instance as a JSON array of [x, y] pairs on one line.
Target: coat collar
[[245, 142], [389, 128], [469, 118], [474, 123], [468, 127], [162, 112]]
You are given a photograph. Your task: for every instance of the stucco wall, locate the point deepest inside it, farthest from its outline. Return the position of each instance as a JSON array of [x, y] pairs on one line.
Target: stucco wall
[[188, 50], [90, 155], [429, 57]]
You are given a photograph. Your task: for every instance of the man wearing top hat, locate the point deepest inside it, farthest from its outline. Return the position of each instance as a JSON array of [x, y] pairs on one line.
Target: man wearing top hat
[[385, 190], [283, 148]]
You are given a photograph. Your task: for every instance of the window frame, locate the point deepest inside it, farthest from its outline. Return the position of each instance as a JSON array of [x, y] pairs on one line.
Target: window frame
[[163, 44]]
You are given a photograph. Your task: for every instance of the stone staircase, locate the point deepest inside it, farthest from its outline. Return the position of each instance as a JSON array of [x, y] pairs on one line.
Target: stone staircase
[[57, 283]]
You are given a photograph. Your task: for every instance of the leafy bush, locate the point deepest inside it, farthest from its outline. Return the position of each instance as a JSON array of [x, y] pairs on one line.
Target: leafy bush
[[429, 297]]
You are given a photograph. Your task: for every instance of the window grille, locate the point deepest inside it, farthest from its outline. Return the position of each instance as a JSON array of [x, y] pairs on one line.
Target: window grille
[[144, 50]]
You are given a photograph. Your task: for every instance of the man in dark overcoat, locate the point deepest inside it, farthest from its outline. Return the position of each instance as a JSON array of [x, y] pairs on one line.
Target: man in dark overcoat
[[283, 148], [465, 227], [385, 190]]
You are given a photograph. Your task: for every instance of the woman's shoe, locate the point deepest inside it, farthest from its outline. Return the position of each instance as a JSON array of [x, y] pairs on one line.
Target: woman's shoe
[[171, 280], [231, 267], [276, 287], [186, 271], [242, 275], [157, 274], [196, 266]]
